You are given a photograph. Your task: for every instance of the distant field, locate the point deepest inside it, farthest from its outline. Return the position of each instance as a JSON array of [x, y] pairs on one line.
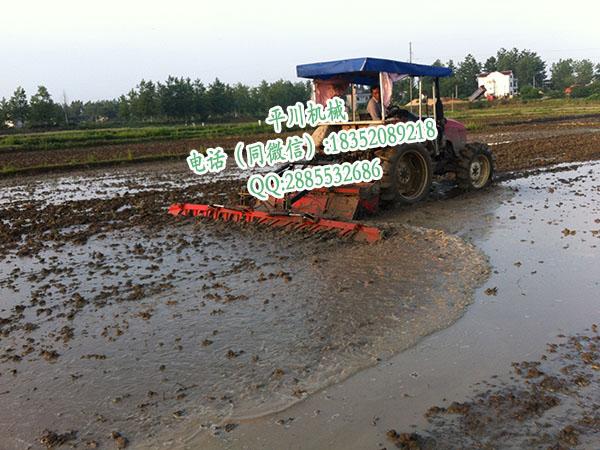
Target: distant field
[[478, 118], [110, 136]]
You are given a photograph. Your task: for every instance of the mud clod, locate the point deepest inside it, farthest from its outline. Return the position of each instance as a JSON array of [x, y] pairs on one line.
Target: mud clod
[[119, 440], [52, 439], [511, 412]]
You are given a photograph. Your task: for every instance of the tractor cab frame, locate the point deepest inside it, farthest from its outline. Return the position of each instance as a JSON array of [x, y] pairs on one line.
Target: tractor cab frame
[[333, 77], [443, 155]]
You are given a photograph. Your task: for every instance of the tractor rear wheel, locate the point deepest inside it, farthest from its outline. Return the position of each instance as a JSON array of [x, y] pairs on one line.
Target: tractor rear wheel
[[407, 174], [475, 167]]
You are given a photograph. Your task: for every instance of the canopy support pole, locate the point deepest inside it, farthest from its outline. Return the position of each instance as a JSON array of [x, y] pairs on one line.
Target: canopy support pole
[[353, 101], [420, 98], [381, 96], [410, 93], [435, 107]]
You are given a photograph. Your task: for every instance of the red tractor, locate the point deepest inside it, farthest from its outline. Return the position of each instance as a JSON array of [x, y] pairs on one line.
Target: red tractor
[[408, 169]]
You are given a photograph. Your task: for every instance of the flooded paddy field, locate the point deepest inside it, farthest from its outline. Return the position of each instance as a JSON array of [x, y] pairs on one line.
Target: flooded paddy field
[[520, 369], [119, 322], [123, 326]]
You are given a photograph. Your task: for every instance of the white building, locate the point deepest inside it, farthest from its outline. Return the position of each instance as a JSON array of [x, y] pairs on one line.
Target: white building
[[362, 98], [498, 84], [13, 123]]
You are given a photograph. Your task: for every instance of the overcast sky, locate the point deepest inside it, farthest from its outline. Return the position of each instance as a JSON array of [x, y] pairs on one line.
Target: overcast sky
[[101, 49]]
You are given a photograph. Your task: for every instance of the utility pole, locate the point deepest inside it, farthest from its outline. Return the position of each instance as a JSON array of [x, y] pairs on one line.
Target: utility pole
[[455, 96], [65, 106], [410, 80]]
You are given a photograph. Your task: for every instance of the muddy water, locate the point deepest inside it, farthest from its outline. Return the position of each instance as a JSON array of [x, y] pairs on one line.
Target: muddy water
[[140, 331], [542, 235], [105, 184]]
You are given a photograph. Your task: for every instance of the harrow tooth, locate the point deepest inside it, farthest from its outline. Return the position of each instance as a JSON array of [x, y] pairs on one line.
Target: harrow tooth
[[280, 219]]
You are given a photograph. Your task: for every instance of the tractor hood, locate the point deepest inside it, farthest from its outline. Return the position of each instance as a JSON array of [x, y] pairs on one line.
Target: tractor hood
[[455, 124], [456, 133]]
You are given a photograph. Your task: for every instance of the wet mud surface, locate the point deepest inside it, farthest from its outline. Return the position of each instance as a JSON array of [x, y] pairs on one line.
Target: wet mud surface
[[549, 403], [518, 370], [119, 322], [540, 152], [540, 144]]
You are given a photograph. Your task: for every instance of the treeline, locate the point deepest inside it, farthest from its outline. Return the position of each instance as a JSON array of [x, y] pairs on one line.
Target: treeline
[[181, 100], [530, 71], [177, 100]]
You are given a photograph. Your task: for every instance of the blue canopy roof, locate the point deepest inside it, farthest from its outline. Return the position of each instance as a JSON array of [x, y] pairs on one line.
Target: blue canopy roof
[[366, 70]]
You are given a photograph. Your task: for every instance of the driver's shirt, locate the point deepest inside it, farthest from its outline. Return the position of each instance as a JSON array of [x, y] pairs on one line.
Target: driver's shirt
[[374, 109]]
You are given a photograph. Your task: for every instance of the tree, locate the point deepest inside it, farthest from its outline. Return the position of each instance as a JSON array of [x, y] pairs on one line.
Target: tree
[[18, 106], [100, 111], [124, 110], [218, 98], [562, 74], [75, 112], [143, 101], [530, 69], [584, 71], [507, 59], [466, 76], [447, 84], [242, 100], [281, 93], [491, 65], [44, 112], [3, 112], [428, 82], [200, 101], [176, 98], [261, 97], [526, 65]]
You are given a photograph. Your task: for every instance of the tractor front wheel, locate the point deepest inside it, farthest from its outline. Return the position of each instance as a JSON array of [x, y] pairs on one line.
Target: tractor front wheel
[[407, 174], [475, 167]]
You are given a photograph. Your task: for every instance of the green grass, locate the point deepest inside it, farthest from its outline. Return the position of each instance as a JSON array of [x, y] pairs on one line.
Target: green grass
[[478, 116], [87, 138], [7, 170]]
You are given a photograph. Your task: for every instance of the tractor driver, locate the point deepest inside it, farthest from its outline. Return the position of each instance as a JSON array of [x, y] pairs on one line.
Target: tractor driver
[[374, 105]]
